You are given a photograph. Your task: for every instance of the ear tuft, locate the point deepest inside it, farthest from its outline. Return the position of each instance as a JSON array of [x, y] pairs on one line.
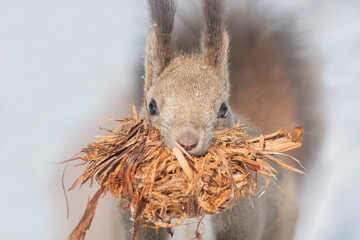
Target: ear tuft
[[158, 52], [215, 41]]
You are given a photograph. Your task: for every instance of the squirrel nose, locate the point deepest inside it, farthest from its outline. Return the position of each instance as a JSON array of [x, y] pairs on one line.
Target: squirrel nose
[[188, 140]]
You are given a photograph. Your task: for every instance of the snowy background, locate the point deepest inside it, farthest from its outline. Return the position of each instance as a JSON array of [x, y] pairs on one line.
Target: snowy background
[[66, 65]]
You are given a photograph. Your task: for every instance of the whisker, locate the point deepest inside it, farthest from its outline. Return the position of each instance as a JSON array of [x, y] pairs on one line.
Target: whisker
[[253, 100]]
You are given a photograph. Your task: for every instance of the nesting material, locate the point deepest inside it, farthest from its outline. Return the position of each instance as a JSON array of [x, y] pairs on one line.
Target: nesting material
[[162, 187]]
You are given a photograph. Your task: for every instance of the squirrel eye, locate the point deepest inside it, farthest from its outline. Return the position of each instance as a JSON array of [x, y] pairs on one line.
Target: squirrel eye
[[223, 111], [153, 107]]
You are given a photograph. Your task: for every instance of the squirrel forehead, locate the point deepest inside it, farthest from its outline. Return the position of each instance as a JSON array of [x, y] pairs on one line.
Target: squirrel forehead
[[189, 75]]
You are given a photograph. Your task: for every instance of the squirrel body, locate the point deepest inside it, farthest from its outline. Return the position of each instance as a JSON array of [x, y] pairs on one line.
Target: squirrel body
[[190, 95]]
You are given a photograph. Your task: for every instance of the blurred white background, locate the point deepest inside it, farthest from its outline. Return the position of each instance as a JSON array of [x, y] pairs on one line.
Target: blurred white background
[[66, 65]]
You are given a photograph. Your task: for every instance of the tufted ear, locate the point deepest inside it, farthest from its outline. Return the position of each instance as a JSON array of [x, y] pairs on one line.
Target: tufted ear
[[215, 40], [158, 53]]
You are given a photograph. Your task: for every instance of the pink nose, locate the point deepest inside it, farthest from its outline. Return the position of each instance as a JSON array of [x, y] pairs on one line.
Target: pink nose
[[188, 140]]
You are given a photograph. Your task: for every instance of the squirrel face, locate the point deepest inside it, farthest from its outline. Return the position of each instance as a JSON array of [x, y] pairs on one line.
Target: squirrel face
[[187, 96], [188, 104]]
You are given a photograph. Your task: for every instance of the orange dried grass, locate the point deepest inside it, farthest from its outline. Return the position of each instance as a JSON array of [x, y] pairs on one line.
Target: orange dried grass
[[165, 187]]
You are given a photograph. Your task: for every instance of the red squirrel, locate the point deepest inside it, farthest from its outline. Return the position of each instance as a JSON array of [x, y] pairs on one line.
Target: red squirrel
[[245, 63]]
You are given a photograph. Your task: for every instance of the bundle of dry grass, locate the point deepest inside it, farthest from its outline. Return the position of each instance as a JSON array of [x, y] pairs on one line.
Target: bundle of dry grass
[[164, 186]]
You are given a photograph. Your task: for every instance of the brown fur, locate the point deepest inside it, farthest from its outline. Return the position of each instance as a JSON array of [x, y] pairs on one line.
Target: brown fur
[[271, 86]]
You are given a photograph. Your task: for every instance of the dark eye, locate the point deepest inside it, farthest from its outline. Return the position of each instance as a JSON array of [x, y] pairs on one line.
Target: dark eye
[[223, 111], [153, 107]]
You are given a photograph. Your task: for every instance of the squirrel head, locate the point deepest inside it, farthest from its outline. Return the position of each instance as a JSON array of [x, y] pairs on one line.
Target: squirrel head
[[187, 95]]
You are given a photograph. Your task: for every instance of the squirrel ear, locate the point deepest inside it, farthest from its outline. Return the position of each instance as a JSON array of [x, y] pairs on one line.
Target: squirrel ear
[[158, 52], [215, 40]]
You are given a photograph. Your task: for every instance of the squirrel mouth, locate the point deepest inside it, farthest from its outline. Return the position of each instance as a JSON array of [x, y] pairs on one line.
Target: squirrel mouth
[[196, 151]]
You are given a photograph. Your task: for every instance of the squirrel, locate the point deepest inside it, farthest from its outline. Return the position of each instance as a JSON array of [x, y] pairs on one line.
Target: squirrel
[[241, 64]]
